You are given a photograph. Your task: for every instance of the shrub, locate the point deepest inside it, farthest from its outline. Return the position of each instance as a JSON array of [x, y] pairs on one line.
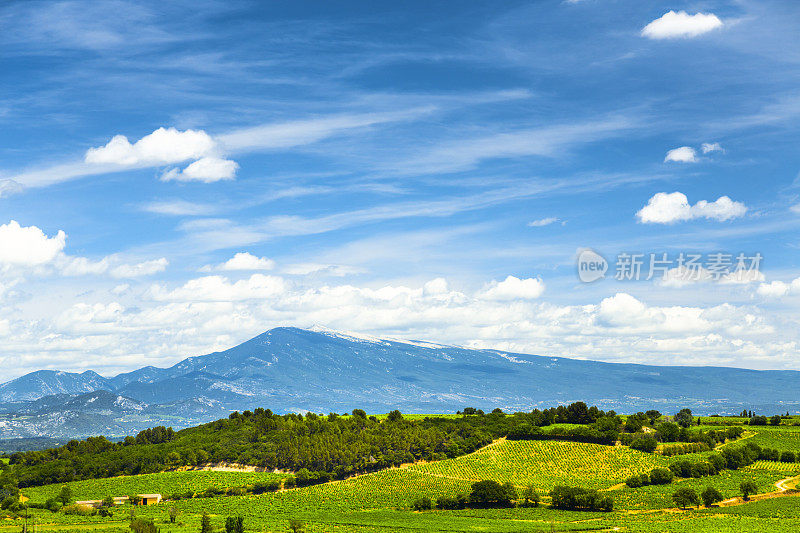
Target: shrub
[[79, 510], [661, 476], [787, 457], [645, 444], [422, 504], [447, 502], [140, 525], [639, 480]]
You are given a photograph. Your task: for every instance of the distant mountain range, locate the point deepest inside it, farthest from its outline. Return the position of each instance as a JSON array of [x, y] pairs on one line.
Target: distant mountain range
[[291, 369]]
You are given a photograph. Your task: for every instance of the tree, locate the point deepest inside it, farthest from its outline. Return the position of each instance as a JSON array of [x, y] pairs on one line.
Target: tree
[[667, 432], [135, 499], [205, 524], [653, 415], [530, 497], [394, 416], [296, 526], [489, 493], [685, 497], [684, 418], [748, 487], [775, 420], [65, 496], [645, 444], [234, 524], [661, 476], [711, 496], [173, 514]]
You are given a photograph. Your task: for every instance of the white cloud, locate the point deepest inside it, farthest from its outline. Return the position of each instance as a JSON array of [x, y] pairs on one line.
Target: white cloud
[[207, 170], [435, 287], [9, 187], [163, 146], [795, 209], [778, 289], [513, 288], [145, 268], [28, 246], [682, 276], [305, 269], [711, 147], [667, 208], [542, 222], [178, 208], [220, 289], [684, 154], [680, 24], [242, 261]]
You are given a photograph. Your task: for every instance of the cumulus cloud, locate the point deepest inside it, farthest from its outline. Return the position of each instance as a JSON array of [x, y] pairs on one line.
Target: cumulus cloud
[[667, 208], [684, 154], [163, 146], [242, 261], [543, 222], [779, 289], [680, 24], [220, 289], [513, 288], [28, 245], [207, 170]]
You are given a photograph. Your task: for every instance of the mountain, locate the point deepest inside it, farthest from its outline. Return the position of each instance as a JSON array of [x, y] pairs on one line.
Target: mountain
[[291, 369], [48, 382]]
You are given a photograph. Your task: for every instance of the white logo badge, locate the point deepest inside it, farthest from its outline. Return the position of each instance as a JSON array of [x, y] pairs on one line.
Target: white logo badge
[[591, 266]]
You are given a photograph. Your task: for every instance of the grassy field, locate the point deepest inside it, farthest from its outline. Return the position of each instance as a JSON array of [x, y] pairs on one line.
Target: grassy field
[[165, 483], [380, 502], [545, 464]]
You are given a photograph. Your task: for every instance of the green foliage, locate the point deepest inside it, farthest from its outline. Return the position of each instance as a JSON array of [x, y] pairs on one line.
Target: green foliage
[[645, 444], [684, 418], [65, 496], [747, 488], [422, 504], [661, 476], [711, 496], [685, 497], [296, 526], [140, 525], [580, 499], [234, 524], [205, 524], [530, 498], [490, 493]]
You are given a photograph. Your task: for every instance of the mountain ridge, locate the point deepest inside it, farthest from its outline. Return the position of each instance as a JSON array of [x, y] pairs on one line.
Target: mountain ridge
[[320, 370]]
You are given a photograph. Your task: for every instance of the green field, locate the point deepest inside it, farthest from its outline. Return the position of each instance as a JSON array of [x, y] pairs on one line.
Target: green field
[[381, 501]]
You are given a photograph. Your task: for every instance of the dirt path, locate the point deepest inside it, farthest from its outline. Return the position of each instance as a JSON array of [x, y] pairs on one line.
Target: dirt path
[[786, 487], [747, 435]]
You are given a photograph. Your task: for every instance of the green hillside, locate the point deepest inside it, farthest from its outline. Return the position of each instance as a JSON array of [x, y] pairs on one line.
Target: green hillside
[[383, 501]]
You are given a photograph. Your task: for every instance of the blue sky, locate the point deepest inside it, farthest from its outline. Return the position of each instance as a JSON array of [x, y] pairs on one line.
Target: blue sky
[[416, 170]]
